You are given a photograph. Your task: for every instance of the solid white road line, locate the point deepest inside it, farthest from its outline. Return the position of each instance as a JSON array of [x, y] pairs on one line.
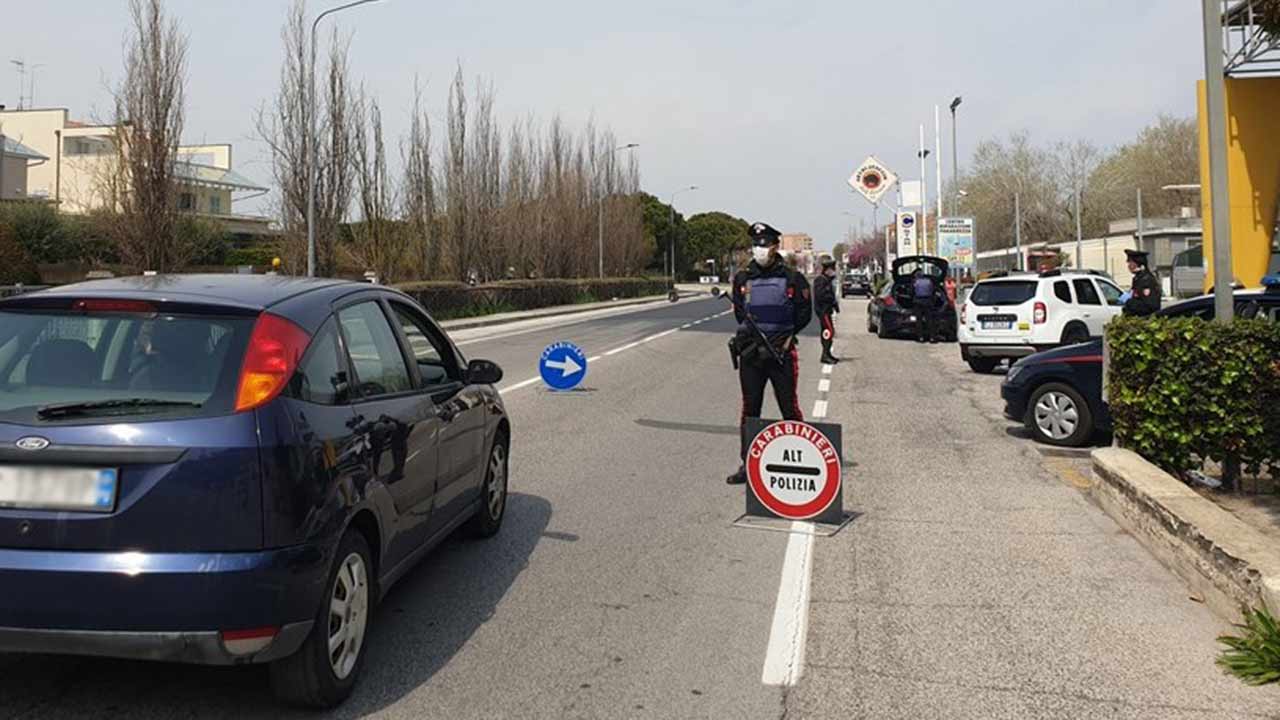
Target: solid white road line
[[825, 385], [517, 386], [784, 659], [826, 369]]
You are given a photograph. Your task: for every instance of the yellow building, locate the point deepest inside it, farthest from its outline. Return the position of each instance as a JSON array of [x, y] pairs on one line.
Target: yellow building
[[82, 157]]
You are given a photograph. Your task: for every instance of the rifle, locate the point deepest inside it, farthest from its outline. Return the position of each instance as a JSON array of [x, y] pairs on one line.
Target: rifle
[[756, 336]]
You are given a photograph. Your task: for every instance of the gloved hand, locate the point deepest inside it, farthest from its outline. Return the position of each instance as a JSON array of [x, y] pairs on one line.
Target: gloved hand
[[1126, 297]]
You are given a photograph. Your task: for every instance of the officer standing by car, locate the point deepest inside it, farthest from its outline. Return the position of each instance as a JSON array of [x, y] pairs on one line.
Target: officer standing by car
[[825, 302], [772, 304], [1144, 299], [923, 302]]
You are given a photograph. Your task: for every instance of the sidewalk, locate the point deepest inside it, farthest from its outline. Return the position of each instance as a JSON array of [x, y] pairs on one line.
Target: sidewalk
[[976, 583]]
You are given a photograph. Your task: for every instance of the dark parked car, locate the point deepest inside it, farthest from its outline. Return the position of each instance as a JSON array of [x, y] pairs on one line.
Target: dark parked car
[[855, 283], [891, 313], [232, 469], [1058, 393]]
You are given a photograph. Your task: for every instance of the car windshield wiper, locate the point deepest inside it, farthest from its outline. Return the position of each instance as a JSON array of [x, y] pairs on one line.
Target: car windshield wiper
[[84, 408]]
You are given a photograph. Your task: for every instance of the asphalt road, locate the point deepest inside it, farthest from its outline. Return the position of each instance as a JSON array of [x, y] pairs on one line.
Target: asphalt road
[[975, 582]]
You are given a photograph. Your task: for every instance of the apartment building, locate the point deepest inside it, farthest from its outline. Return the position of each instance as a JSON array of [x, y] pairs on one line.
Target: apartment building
[[81, 157]]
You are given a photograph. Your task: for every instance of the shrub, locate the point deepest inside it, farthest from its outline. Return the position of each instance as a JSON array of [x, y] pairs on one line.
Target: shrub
[[16, 265], [46, 236], [257, 256], [1254, 656], [1183, 390], [208, 240], [454, 299]]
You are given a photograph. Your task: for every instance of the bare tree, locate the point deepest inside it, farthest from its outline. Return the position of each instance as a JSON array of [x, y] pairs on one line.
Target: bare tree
[[380, 242], [284, 126], [420, 190], [148, 127]]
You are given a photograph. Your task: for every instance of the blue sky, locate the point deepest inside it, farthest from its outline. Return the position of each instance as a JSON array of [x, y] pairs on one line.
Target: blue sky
[[768, 105]]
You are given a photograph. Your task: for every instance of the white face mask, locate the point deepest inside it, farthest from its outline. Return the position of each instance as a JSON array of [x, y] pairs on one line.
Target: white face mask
[[762, 255]]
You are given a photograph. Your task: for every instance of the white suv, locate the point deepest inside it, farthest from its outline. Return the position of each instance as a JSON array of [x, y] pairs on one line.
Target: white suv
[[1017, 314]]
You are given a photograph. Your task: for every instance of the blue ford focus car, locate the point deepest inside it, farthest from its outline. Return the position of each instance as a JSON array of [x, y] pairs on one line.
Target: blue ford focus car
[[232, 469]]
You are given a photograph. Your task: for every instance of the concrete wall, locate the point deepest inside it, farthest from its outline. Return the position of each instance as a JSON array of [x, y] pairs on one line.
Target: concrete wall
[[1253, 171], [13, 178], [36, 129]]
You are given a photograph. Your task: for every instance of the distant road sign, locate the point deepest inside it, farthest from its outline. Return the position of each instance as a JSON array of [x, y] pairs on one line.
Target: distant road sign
[[793, 469], [907, 244], [563, 366], [872, 179]]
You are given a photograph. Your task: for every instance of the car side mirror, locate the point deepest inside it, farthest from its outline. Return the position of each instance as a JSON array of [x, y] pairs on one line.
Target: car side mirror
[[483, 372]]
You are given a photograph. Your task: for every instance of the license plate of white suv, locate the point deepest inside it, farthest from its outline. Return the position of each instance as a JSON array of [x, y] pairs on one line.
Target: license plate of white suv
[[58, 488], [997, 324]]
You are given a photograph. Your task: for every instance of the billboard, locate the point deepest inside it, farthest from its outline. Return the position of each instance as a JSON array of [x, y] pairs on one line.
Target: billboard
[[957, 244]]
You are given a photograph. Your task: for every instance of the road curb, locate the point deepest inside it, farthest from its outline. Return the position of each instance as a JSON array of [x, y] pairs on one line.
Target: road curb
[[506, 318], [1227, 562]]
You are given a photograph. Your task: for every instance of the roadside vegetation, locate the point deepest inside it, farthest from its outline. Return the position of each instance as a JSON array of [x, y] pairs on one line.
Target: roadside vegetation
[[1253, 656]]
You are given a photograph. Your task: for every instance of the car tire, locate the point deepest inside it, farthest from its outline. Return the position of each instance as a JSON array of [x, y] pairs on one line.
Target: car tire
[[881, 332], [1058, 415], [983, 365], [493, 506], [312, 677], [1074, 334]]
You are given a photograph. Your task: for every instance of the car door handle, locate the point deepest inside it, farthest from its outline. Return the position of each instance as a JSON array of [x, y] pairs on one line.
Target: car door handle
[[447, 414]]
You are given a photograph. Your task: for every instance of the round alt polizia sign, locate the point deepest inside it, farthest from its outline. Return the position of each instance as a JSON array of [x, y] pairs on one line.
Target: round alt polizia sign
[[793, 470]]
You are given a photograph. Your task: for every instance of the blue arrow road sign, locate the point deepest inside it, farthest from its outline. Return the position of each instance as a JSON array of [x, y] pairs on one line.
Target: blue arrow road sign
[[563, 366]]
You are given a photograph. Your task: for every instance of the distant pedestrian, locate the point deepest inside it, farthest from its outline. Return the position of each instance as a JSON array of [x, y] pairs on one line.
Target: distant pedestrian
[[1144, 299], [825, 302], [922, 304], [951, 289]]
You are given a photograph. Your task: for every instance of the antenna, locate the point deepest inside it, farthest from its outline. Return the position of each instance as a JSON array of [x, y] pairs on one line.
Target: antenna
[[21, 65]]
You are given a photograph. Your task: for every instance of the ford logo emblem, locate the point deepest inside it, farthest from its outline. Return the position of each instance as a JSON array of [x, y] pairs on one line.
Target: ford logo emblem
[[32, 443]]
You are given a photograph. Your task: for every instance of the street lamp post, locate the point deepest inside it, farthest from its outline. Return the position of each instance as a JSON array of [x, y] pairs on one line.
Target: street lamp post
[[600, 217], [1215, 92], [311, 141], [673, 229], [955, 154]]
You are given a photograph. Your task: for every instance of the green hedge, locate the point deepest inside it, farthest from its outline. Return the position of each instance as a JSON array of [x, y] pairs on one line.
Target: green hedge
[[1185, 390], [452, 299], [258, 256]]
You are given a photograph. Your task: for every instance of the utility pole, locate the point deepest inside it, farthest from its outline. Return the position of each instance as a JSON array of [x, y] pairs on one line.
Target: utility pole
[[600, 209], [1215, 93], [1141, 225], [1017, 229], [937, 159], [924, 197], [1079, 235]]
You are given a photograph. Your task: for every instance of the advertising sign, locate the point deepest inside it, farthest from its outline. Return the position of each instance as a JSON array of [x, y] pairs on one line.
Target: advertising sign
[[956, 243], [907, 233]]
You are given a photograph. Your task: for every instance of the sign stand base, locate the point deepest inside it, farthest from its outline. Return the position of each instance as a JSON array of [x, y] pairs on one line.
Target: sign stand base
[[820, 529]]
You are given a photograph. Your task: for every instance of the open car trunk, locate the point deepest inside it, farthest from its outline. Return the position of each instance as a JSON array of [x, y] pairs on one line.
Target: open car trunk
[[904, 270]]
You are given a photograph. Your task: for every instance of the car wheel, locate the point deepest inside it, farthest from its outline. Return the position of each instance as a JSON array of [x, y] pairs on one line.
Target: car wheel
[[1075, 334], [324, 670], [881, 332], [1059, 416], [984, 365], [488, 519]]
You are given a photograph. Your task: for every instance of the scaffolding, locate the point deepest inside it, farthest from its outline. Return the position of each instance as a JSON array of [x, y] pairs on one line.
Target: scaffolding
[[1250, 50]]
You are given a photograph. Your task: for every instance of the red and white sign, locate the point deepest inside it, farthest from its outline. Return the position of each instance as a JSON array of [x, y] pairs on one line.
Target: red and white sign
[[793, 470], [872, 179]]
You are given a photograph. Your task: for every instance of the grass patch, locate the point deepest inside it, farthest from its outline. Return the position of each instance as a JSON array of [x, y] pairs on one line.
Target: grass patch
[[1254, 655]]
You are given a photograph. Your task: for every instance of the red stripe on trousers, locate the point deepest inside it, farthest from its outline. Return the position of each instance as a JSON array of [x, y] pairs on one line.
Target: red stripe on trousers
[[795, 381]]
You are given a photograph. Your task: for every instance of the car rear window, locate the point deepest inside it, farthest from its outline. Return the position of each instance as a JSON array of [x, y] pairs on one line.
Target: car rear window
[[1005, 292], [51, 358]]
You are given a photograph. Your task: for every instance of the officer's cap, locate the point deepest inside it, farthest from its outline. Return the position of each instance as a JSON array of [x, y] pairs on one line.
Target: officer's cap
[[764, 235], [828, 261], [1137, 256]]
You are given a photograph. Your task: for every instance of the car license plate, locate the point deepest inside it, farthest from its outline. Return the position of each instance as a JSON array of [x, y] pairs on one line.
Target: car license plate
[[58, 488], [996, 325]]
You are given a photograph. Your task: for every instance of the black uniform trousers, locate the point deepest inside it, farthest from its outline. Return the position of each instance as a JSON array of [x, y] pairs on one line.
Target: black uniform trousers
[[828, 333], [784, 378]]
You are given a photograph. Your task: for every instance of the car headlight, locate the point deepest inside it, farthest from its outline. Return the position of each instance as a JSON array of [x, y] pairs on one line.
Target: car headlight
[[1014, 371]]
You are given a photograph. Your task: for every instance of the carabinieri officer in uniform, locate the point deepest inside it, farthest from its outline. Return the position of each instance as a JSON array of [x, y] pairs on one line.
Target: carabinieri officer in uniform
[[772, 304], [1144, 299]]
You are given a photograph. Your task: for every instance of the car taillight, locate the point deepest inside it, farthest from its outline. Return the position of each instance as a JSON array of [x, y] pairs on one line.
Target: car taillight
[[888, 301], [113, 306], [274, 349], [964, 314], [1041, 314], [247, 642]]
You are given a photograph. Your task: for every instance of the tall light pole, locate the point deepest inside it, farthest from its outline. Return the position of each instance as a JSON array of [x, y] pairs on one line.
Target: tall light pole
[[672, 251], [1215, 93], [955, 153], [311, 140], [924, 197], [600, 218]]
